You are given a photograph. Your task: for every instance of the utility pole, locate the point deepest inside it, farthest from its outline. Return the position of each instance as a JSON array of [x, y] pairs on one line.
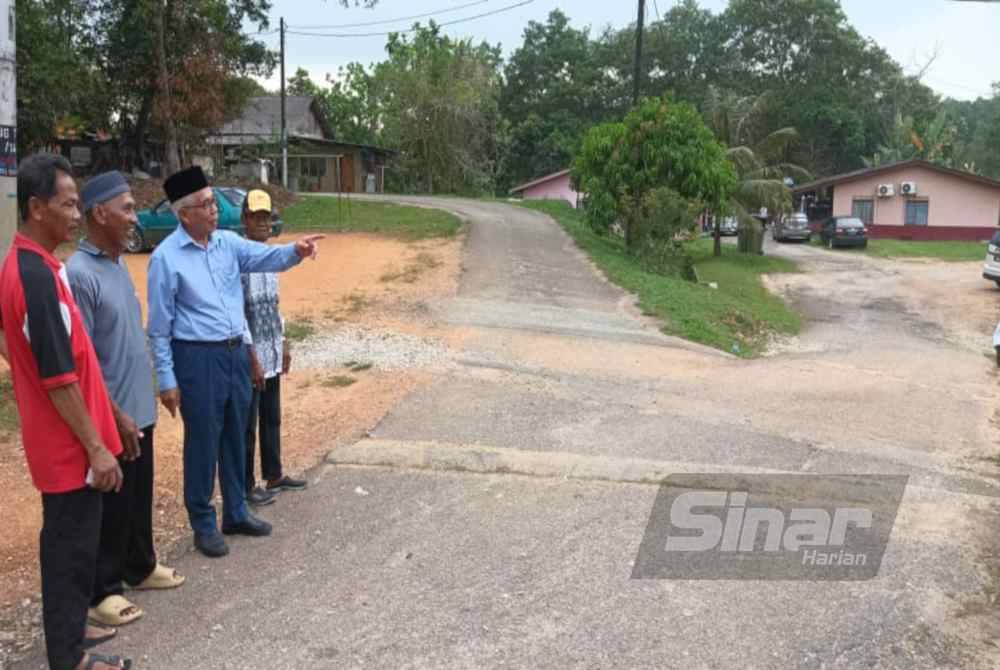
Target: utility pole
[[637, 78], [8, 126], [284, 121]]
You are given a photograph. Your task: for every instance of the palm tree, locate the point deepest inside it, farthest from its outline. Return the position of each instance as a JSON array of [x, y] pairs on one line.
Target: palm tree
[[904, 142], [757, 153]]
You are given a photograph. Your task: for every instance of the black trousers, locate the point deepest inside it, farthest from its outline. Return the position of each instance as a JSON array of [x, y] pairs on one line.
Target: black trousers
[[126, 548], [265, 409], [71, 526]]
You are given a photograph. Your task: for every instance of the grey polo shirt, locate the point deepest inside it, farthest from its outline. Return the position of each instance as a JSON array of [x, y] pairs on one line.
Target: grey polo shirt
[[110, 308]]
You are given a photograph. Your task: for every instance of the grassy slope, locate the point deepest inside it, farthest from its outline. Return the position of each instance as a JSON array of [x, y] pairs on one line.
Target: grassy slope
[[740, 312], [326, 214]]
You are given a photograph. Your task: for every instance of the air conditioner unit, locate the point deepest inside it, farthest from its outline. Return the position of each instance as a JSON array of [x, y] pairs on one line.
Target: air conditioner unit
[[908, 188], [886, 190]]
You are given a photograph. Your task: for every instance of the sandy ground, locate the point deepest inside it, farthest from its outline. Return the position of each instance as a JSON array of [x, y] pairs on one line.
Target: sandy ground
[[888, 375], [357, 280]]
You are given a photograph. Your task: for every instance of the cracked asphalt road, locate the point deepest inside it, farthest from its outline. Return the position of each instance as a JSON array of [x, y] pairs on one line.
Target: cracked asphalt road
[[458, 536]]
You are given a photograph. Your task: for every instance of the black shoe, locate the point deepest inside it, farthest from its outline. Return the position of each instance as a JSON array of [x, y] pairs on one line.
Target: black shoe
[[213, 546], [286, 483], [252, 526], [259, 497]]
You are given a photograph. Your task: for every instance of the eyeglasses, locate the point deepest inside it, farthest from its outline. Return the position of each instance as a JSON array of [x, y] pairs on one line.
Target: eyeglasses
[[206, 206]]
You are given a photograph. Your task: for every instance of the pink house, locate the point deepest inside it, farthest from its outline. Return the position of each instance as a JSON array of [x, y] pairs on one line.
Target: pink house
[[555, 186], [912, 200]]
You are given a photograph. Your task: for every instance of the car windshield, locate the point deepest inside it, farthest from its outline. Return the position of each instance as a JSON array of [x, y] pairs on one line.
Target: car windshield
[[850, 223], [235, 196], [995, 240]]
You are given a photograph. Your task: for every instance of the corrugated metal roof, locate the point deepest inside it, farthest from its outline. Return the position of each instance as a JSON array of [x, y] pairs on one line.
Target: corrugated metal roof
[[540, 180], [260, 121]]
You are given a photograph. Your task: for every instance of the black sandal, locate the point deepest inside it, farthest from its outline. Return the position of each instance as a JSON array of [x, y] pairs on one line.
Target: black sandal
[[113, 661], [91, 642]]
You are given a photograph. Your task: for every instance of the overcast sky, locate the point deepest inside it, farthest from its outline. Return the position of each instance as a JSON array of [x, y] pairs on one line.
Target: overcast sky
[[965, 35]]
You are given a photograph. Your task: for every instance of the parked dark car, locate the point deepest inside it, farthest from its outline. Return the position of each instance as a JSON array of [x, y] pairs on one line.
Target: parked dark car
[[792, 227], [159, 221], [844, 231]]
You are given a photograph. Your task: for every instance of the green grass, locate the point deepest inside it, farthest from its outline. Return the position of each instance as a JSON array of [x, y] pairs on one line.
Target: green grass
[[337, 381], [333, 215], [298, 330], [738, 317], [9, 421], [956, 252], [945, 251]]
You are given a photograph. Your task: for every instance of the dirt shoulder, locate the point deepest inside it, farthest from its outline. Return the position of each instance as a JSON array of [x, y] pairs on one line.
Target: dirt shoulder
[[359, 284]]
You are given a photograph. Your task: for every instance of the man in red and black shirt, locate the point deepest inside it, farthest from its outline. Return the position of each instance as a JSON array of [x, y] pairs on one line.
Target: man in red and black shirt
[[69, 433]]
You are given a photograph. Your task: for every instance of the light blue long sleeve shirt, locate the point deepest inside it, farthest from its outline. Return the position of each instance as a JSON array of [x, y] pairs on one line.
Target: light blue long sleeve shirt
[[195, 292]]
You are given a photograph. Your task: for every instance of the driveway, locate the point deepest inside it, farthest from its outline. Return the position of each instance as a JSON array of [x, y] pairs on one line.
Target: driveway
[[492, 518]]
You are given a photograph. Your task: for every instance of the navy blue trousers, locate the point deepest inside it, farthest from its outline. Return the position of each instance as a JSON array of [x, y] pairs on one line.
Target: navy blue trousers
[[214, 382]]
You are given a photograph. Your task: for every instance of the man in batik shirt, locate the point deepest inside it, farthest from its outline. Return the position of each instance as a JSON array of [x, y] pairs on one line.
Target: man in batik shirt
[[270, 358]]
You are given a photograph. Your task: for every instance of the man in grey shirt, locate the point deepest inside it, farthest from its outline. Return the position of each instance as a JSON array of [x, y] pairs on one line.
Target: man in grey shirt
[[111, 313]]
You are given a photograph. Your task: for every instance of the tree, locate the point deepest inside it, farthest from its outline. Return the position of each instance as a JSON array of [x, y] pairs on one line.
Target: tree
[[177, 66], [351, 102], [758, 153], [596, 175], [300, 84], [683, 52], [660, 144], [440, 109], [553, 91], [935, 144], [55, 80], [838, 89]]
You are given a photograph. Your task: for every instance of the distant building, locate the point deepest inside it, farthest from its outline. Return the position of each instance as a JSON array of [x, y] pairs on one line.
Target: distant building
[[555, 186], [909, 200], [8, 126], [317, 161]]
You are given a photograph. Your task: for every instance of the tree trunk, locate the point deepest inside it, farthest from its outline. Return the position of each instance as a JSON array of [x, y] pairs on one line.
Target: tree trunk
[[141, 127], [172, 158], [717, 234]]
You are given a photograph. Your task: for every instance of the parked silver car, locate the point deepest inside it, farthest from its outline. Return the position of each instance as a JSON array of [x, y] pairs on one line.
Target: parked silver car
[[792, 227], [729, 226]]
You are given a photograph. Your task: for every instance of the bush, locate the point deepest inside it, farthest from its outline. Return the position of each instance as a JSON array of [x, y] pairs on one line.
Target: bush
[[666, 223]]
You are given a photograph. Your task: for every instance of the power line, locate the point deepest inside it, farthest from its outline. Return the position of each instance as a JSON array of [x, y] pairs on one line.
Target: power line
[[400, 19], [410, 30]]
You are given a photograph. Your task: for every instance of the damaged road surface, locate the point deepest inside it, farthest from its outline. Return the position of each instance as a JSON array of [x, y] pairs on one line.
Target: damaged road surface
[[492, 518]]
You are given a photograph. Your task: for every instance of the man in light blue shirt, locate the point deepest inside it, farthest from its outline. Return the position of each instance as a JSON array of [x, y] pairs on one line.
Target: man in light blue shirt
[[197, 331]]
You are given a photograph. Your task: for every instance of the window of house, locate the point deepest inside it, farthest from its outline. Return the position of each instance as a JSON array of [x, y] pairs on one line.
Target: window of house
[[864, 210], [313, 167], [916, 212]]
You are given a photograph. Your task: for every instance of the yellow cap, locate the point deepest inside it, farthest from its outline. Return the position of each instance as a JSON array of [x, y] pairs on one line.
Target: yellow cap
[[258, 201]]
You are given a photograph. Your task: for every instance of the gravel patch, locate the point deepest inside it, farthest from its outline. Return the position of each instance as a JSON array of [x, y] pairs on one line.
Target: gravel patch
[[384, 350]]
